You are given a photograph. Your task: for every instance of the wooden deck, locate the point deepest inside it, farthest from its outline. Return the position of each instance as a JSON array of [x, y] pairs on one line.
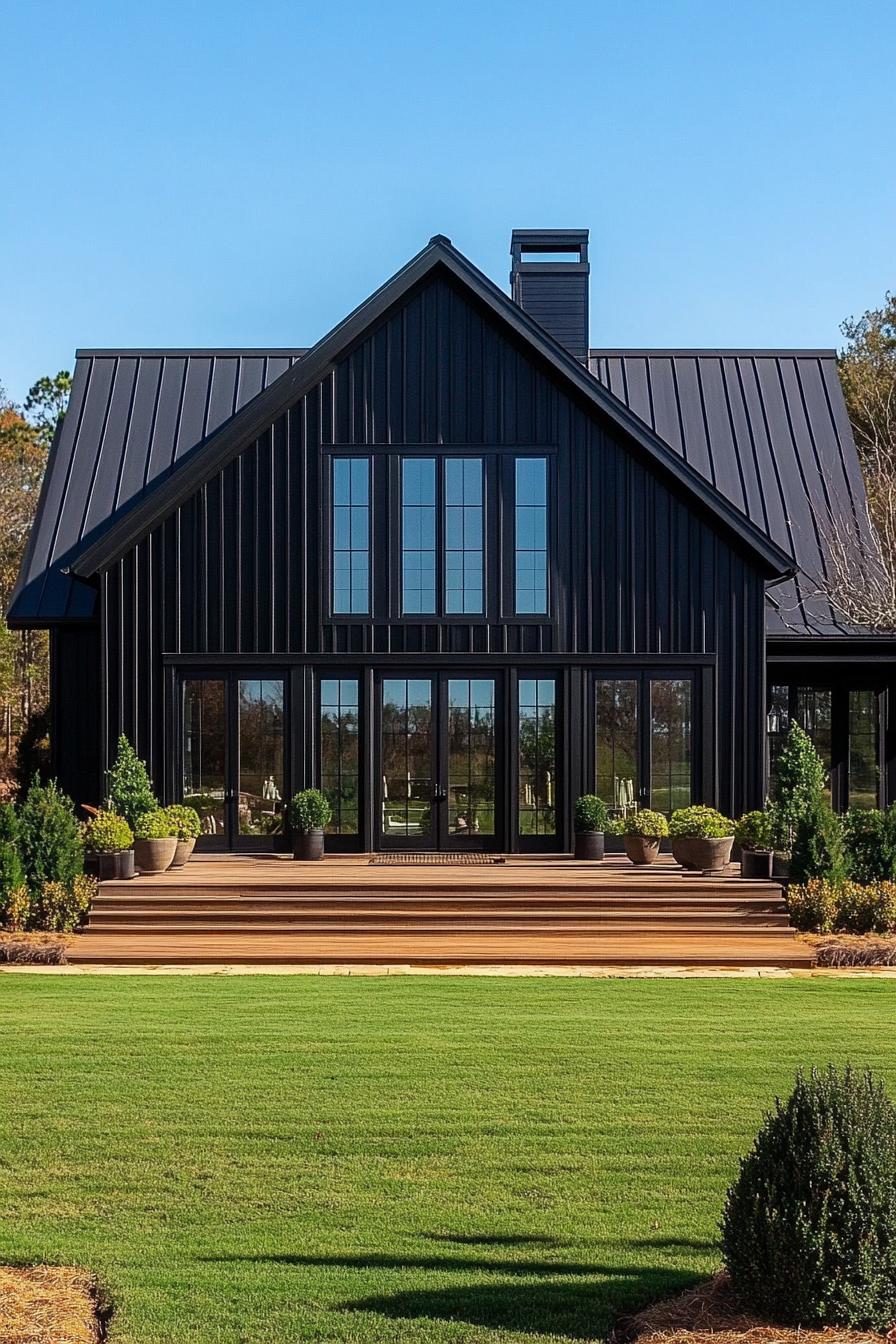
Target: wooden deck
[[548, 911]]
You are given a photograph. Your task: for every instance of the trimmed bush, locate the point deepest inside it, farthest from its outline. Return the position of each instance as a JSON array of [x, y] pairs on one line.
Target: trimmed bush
[[61, 909], [614, 826], [106, 833], [590, 814], [800, 778], [17, 911], [155, 825], [817, 843], [754, 831], [700, 823], [49, 838], [128, 785], [870, 841], [813, 906], [869, 909], [185, 821], [309, 811], [12, 870], [809, 1227], [650, 825]]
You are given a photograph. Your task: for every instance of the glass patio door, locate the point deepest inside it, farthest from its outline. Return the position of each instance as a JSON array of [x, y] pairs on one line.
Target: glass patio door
[[644, 740], [232, 759], [438, 763]]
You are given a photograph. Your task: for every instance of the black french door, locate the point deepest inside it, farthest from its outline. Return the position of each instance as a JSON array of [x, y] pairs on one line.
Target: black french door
[[232, 758], [646, 751], [439, 785]]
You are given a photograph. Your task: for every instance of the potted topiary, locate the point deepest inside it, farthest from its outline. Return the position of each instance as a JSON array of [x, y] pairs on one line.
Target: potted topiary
[[309, 813], [590, 817], [643, 832], [701, 838], [109, 838], [128, 786], [753, 833], [155, 841], [185, 821]]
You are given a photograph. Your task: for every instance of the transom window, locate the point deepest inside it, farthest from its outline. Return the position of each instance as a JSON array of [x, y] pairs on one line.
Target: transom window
[[531, 536], [351, 535]]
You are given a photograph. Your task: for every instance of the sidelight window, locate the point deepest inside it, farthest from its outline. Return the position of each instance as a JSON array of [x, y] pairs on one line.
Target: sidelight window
[[537, 756], [351, 535], [339, 754], [531, 535]]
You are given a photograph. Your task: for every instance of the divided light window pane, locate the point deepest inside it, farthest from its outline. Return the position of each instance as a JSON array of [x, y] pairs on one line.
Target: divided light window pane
[[418, 535], [531, 535], [339, 755], [463, 535], [351, 535]]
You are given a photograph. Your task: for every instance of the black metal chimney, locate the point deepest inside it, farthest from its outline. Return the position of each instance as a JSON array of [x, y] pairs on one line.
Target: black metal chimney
[[549, 278]]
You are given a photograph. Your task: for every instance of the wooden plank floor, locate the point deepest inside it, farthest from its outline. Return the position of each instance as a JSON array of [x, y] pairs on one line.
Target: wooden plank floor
[[551, 911]]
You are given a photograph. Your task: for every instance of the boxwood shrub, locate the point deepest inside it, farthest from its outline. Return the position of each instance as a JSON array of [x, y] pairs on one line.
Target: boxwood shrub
[[809, 1227]]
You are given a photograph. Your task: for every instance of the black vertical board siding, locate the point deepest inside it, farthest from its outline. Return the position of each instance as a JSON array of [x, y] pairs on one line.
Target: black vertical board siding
[[76, 732], [241, 569]]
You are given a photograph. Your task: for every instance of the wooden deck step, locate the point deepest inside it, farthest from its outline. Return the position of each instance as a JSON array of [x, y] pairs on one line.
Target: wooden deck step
[[462, 949]]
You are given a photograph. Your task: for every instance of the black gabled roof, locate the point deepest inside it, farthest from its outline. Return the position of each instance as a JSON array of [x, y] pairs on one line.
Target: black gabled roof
[[145, 428], [132, 416], [770, 429]]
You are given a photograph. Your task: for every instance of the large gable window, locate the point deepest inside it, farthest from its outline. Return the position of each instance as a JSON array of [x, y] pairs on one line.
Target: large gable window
[[442, 529], [351, 535]]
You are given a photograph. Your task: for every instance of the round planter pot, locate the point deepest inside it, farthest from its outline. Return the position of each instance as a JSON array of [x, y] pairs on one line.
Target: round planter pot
[[308, 846], [683, 851], [640, 849], [756, 863], [154, 856], [182, 851], [117, 867], [590, 845], [710, 856]]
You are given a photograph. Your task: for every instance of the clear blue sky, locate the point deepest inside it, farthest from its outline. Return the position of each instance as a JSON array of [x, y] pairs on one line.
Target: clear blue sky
[[245, 173]]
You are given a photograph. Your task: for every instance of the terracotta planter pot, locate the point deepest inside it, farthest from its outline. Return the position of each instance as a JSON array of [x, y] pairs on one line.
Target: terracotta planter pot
[[308, 846], [704, 855], [683, 851], [182, 852], [154, 856], [117, 867], [590, 845], [640, 849], [756, 863]]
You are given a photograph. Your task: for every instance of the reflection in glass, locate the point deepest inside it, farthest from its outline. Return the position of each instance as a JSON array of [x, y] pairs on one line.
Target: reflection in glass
[[260, 797], [471, 756], [616, 743], [418, 534], [813, 714], [463, 534], [351, 534], [531, 535], [670, 745], [864, 749], [407, 758], [204, 728], [778, 723], [537, 756], [339, 774]]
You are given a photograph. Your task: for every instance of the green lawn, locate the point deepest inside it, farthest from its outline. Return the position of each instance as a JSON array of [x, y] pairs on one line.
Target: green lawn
[[276, 1159]]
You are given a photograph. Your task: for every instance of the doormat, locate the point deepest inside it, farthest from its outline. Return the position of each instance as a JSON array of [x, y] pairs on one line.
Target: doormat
[[431, 860]]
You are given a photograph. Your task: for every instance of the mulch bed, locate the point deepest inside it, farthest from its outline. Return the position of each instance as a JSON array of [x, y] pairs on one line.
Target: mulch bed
[[853, 949], [46, 1304], [34, 949], [711, 1314]]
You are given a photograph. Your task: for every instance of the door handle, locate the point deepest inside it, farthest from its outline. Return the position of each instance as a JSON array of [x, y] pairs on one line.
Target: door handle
[[439, 793]]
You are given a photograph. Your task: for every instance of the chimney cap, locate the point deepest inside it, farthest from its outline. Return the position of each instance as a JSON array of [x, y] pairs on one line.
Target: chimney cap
[[549, 240]]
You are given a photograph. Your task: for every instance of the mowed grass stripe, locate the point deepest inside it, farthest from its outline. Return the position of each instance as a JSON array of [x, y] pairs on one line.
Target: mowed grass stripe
[[261, 1160]]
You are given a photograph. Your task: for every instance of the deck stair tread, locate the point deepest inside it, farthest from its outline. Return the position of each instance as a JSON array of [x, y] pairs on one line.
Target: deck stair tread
[[551, 911]]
